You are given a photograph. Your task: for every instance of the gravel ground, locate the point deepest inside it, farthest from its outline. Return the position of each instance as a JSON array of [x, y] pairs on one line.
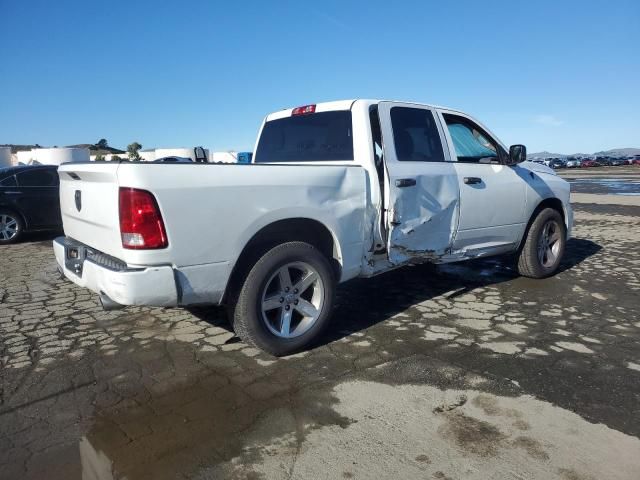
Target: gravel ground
[[459, 371]]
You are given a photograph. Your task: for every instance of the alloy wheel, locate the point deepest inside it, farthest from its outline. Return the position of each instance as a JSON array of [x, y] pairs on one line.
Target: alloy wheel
[[8, 227], [292, 300], [549, 244]]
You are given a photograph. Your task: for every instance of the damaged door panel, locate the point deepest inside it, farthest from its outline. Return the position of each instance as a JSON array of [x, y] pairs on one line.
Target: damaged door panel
[[424, 194], [423, 219]]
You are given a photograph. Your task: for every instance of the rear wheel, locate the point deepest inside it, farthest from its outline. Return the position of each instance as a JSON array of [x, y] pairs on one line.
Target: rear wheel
[[285, 302], [11, 227], [544, 245]]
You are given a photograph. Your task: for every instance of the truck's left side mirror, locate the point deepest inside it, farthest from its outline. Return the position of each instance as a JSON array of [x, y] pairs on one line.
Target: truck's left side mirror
[[517, 154]]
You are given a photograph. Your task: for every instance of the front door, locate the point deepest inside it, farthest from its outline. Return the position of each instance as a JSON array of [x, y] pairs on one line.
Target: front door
[[422, 190], [492, 194]]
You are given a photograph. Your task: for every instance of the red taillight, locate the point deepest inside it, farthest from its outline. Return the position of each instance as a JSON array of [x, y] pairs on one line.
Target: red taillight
[[303, 110], [141, 225]]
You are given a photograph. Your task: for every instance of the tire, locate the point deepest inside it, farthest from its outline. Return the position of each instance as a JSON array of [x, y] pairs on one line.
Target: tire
[[544, 245], [11, 227], [268, 311]]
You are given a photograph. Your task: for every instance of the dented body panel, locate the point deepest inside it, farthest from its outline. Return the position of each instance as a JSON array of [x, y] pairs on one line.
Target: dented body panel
[[422, 215], [423, 219]]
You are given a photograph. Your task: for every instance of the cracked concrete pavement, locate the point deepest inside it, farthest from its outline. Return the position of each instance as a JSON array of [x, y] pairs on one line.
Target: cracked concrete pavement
[[457, 371]]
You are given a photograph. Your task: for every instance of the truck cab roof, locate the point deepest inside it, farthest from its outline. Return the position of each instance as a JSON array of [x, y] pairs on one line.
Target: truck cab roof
[[345, 105]]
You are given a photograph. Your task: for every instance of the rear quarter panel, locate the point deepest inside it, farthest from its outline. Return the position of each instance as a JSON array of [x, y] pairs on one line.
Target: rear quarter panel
[[211, 211]]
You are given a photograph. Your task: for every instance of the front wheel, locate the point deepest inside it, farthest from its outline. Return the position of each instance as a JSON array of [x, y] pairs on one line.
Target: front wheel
[[544, 245], [286, 299]]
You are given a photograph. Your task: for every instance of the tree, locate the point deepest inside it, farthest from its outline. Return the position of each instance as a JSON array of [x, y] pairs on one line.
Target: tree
[[99, 157], [115, 158], [132, 151], [102, 143]]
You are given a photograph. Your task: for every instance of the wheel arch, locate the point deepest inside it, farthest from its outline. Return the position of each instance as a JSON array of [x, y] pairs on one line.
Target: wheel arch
[[302, 229], [549, 202]]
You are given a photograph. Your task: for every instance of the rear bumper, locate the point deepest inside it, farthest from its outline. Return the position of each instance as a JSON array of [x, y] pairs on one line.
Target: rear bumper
[[153, 286]]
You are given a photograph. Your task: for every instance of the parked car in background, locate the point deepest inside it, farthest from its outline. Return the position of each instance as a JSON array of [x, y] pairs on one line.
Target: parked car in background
[[635, 161], [29, 201], [603, 161], [588, 163], [335, 191], [173, 160], [616, 162], [557, 163], [573, 163]]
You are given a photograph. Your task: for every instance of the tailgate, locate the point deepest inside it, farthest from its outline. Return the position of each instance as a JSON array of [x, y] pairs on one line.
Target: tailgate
[[89, 205]]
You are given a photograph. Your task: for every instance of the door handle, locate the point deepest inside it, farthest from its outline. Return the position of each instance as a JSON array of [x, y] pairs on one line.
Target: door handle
[[472, 180], [405, 182], [13, 193]]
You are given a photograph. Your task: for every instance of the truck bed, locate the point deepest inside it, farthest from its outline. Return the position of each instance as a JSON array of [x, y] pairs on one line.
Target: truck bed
[[211, 211]]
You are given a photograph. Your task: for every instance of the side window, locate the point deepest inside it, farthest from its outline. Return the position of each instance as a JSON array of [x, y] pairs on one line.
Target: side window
[[38, 178], [9, 181], [415, 135], [471, 143]]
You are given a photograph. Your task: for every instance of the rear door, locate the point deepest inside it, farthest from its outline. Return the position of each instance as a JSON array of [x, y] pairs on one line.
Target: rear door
[[423, 193], [38, 199], [492, 194]]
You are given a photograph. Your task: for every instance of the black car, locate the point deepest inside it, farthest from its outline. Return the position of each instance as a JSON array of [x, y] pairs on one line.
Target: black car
[[557, 163], [29, 201], [616, 162], [603, 161]]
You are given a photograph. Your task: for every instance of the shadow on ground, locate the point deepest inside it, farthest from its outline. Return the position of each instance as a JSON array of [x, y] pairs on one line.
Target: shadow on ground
[[362, 303]]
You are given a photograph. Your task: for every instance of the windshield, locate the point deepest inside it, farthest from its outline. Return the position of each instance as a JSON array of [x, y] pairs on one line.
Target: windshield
[[470, 144], [325, 136]]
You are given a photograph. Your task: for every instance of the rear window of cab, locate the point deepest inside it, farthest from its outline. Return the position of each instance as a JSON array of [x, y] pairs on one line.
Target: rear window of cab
[[315, 137]]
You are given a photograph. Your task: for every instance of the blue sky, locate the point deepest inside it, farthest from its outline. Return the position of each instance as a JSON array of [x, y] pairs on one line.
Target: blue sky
[[557, 75]]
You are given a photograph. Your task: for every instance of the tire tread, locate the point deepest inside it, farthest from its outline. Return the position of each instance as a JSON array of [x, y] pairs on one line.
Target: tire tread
[[528, 264], [240, 301]]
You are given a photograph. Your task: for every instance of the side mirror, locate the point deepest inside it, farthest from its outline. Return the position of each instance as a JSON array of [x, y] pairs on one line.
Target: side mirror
[[517, 154]]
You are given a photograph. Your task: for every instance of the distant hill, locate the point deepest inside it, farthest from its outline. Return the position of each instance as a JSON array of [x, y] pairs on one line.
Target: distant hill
[[545, 154], [619, 152], [614, 152]]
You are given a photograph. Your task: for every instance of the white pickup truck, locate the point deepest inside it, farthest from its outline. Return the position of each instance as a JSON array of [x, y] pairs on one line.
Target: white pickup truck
[[335, 191]]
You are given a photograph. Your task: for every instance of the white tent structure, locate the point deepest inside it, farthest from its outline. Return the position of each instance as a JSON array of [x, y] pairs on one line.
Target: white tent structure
[[5, 157], [52, 156], [224, 157], [58, 156], [24, 157]]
